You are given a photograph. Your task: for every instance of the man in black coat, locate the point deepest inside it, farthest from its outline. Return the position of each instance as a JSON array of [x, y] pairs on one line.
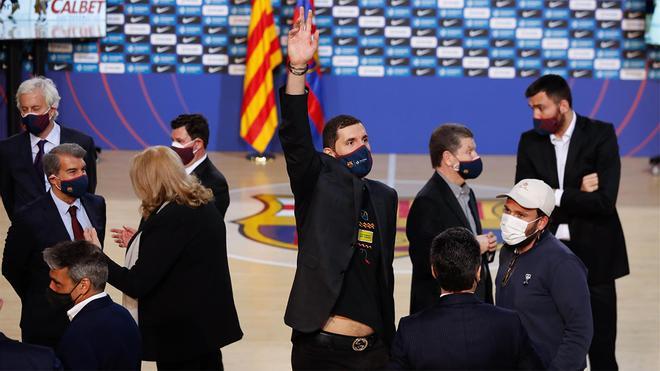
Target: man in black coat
[[21, 174], [446, 201], [341, 306], [459, 331], [102, 335], [59, 215], [579, 158], [190, 137], [15, 355]]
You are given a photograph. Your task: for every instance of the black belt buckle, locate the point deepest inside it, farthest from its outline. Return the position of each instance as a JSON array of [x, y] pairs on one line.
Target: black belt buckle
[[360, 344]]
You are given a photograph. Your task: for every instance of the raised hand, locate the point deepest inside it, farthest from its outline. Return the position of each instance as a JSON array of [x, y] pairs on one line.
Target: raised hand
[[122, 235], [302, 44]]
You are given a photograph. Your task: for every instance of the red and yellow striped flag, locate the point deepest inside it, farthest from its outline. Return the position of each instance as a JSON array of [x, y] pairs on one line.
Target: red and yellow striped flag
[[259, 111]]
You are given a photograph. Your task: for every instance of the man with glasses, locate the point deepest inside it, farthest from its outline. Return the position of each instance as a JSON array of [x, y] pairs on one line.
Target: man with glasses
[[541, 279]]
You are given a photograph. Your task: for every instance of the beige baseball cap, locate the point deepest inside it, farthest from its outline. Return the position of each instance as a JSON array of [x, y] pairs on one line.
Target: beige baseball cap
[[532, 194]]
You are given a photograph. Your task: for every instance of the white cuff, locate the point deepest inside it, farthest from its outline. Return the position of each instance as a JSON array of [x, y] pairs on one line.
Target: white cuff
[[558, 194]]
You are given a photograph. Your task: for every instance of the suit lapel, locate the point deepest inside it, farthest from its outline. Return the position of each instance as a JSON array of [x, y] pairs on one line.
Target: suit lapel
[[549, 161], [447, 196], [26, 157], [91, 213], [53, 218], [574, 150]]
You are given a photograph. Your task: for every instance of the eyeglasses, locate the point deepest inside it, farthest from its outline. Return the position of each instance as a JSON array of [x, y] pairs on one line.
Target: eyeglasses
[[509, 270]]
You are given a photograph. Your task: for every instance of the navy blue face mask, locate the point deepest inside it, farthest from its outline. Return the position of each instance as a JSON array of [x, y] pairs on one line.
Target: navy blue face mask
[[358, 162], [36, 124], [470, 169], [75, 187]]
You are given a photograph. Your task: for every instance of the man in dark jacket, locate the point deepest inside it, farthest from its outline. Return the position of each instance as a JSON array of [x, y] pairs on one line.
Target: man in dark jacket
[[341, 306]]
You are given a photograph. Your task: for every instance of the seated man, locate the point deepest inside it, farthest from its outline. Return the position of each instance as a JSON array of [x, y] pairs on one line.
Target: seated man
[[102, 335], [460, 331]]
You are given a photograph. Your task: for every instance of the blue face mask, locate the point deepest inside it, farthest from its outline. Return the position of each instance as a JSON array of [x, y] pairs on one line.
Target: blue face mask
[[470, 169], [75, 187], [358, 162]]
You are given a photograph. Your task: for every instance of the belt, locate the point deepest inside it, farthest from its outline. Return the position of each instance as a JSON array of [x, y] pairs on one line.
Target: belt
[[344, 342]]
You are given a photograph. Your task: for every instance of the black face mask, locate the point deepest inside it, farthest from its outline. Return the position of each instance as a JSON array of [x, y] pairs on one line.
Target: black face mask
[[64, 301]]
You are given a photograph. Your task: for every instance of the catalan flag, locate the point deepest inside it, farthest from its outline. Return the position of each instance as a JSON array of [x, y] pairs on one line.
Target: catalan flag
[[313, 83], [258, 110]]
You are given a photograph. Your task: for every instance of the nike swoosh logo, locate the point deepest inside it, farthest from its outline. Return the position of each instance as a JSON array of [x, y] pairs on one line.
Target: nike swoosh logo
[[527, 53], [396, 42], [582, 14], [501, 43], [136, 19], [635, 35], [528, 13], [162, 49], [344, 2], [214, 50], [214, 69], [475, 33], [608, 24], [137, 58], [580, 73], [370, 31], [473, 73], [527, 73], [111, 9], [552, 64], [450, 22], [448, 63], [59, 67], [136, 39], [423, 52], [239, 60], [344, 41], [398, 22], [474, 53], [370, 51], [344, 22], [239, 2], [134, 1], [396, 62], [580, 34], [634, 54], [501, 63], [240, 40], [187, 40], [187, 20], [188, 59], [162, 29], [162, 68], [111, 48], [554, 4], [214, 30], [634, 15], [423, 32], [449, 42], [369, 12], [501, 4], [607, 44], [161, 10], [398, 2], [608, 5], [553, 24], [422, 72], [424, 12]]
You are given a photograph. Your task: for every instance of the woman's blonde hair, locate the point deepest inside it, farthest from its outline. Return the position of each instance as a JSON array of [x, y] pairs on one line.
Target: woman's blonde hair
[[158, 175]]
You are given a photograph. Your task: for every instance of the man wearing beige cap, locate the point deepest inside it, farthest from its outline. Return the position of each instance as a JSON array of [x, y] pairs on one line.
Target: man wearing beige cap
[[541, 279]]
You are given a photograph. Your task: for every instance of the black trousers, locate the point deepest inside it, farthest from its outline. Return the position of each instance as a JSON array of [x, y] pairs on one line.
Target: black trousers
[[308, 355], [208, 361], [603, 308]]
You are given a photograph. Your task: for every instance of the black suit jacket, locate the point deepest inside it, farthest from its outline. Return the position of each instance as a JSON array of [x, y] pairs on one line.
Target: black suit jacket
[[212, 178], [15, 355], [182, 283], [593, 222], [35, 227], [19, 181], [434, 210], [102, 336], [328, 198], [461, 332]]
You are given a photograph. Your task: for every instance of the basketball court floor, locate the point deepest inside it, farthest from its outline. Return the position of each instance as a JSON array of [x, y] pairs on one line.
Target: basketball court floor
[[261, 237]]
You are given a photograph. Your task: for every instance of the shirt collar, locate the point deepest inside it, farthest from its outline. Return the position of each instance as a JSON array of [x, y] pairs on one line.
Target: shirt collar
[[63, 207], [569, 132], [194, 165], [53, 137], [457, 190], [78, 307]]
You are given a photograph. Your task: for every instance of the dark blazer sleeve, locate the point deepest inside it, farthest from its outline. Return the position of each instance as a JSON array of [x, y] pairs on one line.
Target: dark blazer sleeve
[[6, 181], [528, 359], [399, 354], [421, 227], [77, 352], [524, 167], [303, 162], [221, 192], [608, 168], [18, 246], [159, 251]]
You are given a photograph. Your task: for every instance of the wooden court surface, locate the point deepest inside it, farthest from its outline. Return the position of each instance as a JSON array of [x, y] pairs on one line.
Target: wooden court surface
[[262, 278]]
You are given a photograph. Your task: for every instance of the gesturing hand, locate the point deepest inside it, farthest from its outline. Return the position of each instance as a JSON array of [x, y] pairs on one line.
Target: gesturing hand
[[302, 44], [122, 235]]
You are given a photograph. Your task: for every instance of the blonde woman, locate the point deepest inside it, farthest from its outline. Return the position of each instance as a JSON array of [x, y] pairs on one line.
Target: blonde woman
[[178, 273]]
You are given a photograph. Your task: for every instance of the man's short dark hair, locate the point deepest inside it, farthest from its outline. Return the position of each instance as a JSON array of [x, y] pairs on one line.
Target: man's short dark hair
[[51, 160], [446, 137], [455, 257], [554, 86], [196, 126], [333, 125], [83, 259]]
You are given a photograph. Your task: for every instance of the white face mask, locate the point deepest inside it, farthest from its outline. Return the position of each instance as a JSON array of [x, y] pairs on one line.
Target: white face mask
[[513, 229]]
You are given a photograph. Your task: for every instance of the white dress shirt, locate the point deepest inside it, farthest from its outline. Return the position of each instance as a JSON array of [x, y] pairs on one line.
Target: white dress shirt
[[63, 210], [52, 141], [561, 145], [190, 168], [78, 307]]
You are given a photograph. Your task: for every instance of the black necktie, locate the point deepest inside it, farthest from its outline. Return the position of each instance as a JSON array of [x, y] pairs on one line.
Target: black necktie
[[38, 165]]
